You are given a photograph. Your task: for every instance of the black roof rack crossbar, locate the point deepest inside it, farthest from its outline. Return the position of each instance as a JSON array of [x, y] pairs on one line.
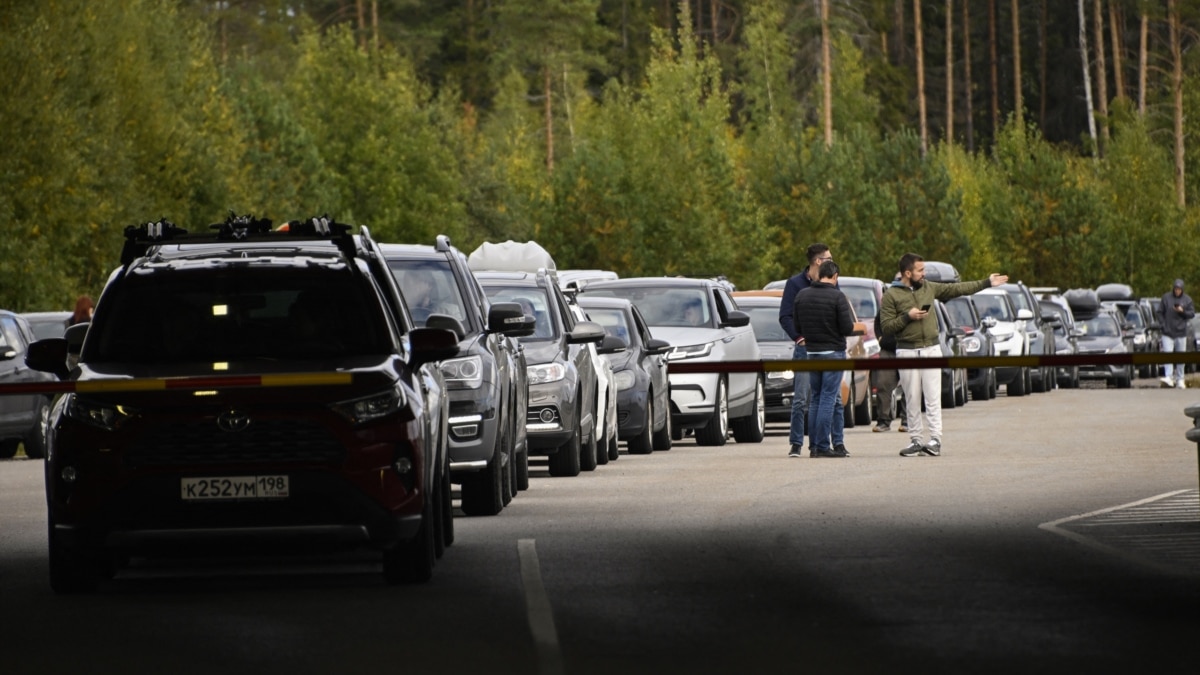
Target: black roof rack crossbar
[[140, 238]]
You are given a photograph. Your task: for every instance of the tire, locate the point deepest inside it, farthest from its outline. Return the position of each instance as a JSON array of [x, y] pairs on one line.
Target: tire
[[483, 491], [412, 562], [565, 462], [614, 450], [71, 570], [865, 414], [447, 511], [848, 406], [602, 450], [949, 401], [439, 518], [960, 393], [35, 442], [716, 432], [587, 453], [643, 443], [523, 470], [993, 386], [1017, 386], [664, 436], [752, 427], [508, 488], [8, 448], [1125, 380]]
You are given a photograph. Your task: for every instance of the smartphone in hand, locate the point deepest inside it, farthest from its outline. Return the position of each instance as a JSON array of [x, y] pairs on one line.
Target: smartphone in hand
[[925, 308]]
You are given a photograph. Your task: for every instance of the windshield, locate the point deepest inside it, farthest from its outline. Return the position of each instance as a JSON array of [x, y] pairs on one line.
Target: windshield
[[1019, 300], [429, 287], [765, 321], [614, 321], [534, 302], [862, 299], [238, 313], [994, 306], [1134, 316], [665, 306], [1101, 325], [48, 328], [960, 313]]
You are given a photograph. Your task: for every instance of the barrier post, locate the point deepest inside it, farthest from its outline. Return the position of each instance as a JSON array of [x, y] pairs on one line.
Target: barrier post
[[1193, 434]]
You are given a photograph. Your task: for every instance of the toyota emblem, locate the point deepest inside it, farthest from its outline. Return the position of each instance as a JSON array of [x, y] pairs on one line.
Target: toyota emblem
[[232, 420]]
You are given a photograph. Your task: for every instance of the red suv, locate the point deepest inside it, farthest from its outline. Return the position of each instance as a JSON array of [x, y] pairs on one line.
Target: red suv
[[248, 391]]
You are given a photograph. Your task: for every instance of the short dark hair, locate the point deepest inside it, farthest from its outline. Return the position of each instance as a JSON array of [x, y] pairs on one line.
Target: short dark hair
[[815, 251], [908, 261], [828, 270]]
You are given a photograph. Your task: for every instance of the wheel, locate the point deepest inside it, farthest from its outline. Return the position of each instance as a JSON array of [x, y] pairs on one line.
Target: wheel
[[447, 511], [865, 413], [1017, 386], [483, 491], [440, 504], [35, 441], [948, 395], [717, 429], [8, 447], [1124, 380], [960, 393], [848, 407], [614, 450], [523, 469], [587, 453], [508, 488], [643, 443], [993, 385], [71, 570], [412, 561], [565, 461], [676, 433], [751, 428], [602, 450], [664, 436]]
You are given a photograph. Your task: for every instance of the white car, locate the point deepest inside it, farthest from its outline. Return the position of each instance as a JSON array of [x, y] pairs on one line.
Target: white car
[[1009, 337], [606, 398], [702, 322]]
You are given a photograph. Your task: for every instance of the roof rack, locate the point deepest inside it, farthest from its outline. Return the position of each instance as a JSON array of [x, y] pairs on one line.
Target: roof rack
[[140, 238]]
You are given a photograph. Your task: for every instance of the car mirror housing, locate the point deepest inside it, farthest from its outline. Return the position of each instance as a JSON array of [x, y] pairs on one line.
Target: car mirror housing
[[611, 344], [586, 331], [657, 346], [431, 344], [446, 322], [49, 356], [508, 318], [736, 319]]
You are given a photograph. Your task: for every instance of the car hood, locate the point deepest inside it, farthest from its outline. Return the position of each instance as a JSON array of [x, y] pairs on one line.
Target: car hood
[[1096, 344], [682, 336], [620, 360], [776, 351], [542, 351]]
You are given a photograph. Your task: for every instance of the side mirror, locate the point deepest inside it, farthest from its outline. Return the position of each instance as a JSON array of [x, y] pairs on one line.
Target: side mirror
[[74, 337], [657, 346], [446, 322], [736, 319], [586, 331], [509, 319], [431, 344], [1024, 314], [49, 356], [989, 322], [957, 331], [611, 344]]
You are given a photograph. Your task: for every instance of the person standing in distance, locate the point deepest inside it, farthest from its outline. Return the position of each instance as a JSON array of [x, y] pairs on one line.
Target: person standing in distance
[[823, 318], [1174, 313], [816, 254], [906, 313]]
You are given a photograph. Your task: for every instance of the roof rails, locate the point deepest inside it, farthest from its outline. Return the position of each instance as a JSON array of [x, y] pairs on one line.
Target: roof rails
[[140, 238]]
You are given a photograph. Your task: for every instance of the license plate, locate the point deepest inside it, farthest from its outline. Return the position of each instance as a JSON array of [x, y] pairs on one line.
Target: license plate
[[233, 488]]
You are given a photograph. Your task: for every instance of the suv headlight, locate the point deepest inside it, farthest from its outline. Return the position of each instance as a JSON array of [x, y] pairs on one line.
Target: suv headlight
[[546, 372], [1118, 348], [971, 344], [624, 379], [106, 416], [1139, 339], [781, 375], [463, 373], [690, 352], [367, 408]]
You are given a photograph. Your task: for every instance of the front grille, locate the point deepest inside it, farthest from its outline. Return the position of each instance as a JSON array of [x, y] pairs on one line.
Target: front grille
[[291, 441]]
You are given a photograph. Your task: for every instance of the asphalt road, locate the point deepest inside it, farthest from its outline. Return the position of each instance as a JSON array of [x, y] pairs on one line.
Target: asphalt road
[[1058, 533]]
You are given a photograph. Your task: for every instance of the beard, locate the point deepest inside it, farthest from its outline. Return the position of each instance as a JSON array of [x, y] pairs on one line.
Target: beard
[[917, 284]]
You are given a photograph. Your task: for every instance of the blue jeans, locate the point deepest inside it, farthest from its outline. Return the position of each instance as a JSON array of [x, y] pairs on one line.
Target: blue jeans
[[1173, 371], [799, 399], [825, 410]]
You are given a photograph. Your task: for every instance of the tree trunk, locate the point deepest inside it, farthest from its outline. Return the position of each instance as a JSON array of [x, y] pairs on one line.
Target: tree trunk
[[1101, 76], [712, 19], [969, 84], [995, 70], [920, 50], [950, 71], [1018, 99], [1115, 19], [361, 6], [1042, 67], [1087, 73], [826, 75], [1142, 64], [547, 92], [1177, 91], [901, 33], [375, 24]]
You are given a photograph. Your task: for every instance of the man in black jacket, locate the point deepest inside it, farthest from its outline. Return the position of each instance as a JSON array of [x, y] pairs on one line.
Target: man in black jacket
[[822, 316]]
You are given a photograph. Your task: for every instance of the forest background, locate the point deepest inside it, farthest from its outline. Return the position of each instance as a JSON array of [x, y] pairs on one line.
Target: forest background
[[648, 137]]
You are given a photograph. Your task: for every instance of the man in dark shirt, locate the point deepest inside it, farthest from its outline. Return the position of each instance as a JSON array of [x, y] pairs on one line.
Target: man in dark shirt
[[823, 318]]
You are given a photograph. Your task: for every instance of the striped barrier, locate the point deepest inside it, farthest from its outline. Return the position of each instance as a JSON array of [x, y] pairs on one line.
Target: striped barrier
[[178, 383]]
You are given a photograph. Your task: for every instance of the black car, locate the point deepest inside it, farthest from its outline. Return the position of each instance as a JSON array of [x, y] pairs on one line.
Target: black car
[[48, 324], [779, 386], [640, 374], [1041, 336], [22, 416], [1066, 339], [962, 312], [954, 340], [1102, 333], [561, 416], [1146, 338], [485, 381], [247, 391]]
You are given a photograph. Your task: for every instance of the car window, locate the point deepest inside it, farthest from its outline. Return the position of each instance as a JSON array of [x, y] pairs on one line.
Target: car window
[[1134, 316], [1019, 299], [10, 336], [765, 322], [665, 306], [613, 320], [1101, 325], [862, 299], [959, 310], [994, 306], [429, 287], [533, 301]]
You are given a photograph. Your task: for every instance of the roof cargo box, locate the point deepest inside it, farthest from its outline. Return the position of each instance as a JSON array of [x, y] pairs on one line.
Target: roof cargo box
[[510, 256], [1114, 292], [1084, 302], [941, 272]]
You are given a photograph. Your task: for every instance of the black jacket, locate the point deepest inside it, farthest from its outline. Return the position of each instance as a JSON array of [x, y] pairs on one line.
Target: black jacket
[[822, 315]]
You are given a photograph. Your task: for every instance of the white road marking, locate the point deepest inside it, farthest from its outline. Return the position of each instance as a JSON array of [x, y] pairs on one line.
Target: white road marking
[[537, 606], [1110, 515]]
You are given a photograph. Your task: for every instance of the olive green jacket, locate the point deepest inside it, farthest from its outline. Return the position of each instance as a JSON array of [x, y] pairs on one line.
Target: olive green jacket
[[897, 300]]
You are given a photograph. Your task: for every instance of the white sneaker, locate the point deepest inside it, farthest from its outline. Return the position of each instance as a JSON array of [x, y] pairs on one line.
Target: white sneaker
[[1166, 380], [1182, 385]]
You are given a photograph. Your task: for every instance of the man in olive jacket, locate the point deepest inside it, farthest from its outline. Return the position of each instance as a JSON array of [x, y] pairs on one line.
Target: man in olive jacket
[[907, 313]]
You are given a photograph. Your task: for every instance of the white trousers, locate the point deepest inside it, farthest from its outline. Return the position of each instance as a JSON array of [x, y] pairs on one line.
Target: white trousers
[[924, 384]]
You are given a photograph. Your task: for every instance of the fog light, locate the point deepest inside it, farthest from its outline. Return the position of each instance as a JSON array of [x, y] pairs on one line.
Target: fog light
[[787, 401], [403, 465], [546, 415], [68, 474]]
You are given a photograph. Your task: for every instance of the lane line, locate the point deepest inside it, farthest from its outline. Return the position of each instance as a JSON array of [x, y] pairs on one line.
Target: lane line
[[1053, 526], [537, 606]]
